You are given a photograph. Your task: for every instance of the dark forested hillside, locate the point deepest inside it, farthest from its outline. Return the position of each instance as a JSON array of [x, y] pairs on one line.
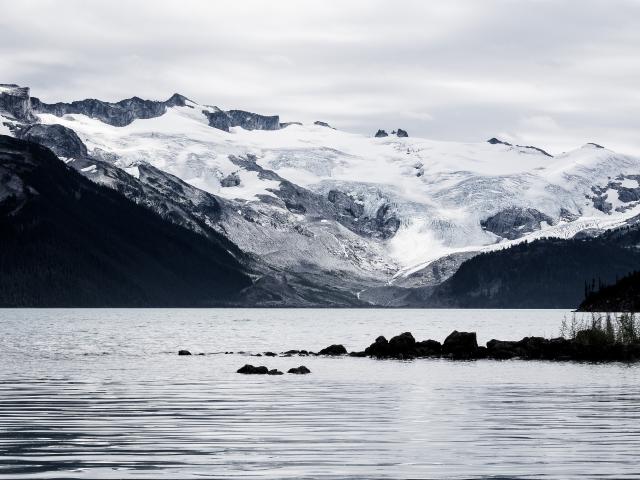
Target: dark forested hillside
[[549, 273], [622, 296], [65, 241]]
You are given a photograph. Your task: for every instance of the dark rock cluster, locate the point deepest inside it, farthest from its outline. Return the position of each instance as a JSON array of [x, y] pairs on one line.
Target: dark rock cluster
[[224, 120], [399, 133], [231, 180], [333, 350], [262, 370], [588, 345]]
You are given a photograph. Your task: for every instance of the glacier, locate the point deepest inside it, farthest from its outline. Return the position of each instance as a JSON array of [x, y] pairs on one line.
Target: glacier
[[318, 207]]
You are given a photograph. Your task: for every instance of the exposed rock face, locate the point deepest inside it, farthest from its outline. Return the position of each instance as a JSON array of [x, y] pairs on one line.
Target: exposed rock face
[[286, 124], [239, 118], [402, 133], [514, 222], [333, 350], [231, 180], [118, 114], [322, 124], [384, 225], [381, 133], [345, 204], [14, 102], [63, 141]]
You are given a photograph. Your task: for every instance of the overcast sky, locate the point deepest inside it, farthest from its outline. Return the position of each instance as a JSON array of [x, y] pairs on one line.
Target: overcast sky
[[551, 73]]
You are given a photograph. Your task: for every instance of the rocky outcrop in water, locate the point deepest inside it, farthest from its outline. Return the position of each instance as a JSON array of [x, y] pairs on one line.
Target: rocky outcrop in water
[[117, 114], [381, 133], [251, 370], [587, 345], [402, 133], [239, 118], [514, 222], [333, 350], [301, 370]]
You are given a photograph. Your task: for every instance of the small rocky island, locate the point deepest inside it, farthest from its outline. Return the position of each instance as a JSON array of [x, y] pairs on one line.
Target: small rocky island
[[602, 342]]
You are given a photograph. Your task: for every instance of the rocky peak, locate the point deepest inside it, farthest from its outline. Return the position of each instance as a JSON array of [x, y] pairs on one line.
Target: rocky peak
[[15, 103], [381, 133]]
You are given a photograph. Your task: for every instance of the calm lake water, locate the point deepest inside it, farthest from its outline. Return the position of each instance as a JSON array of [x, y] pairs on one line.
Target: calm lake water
[[103, 394]]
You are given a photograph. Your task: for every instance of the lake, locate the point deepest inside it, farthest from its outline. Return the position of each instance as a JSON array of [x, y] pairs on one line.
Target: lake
[[103, 394]]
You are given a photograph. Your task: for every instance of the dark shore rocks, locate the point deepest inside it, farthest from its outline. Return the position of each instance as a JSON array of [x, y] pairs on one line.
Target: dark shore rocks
[[251, 370], [402, 133], [184, 352], [401, 346], [275, 371], [333, 350], [301, 370], [461, 345], [588, 345], [381, 133]]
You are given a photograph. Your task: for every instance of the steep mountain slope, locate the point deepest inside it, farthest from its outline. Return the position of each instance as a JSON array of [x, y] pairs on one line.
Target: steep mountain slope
[[322, 210], [65, 241], [622, 296]]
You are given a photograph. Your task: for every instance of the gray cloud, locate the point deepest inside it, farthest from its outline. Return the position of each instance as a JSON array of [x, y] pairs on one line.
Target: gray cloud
[[554, 73]]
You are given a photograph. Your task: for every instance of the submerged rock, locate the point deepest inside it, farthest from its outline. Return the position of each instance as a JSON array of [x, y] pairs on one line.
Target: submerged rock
[[301, 370], [333, 350], [251, 370]]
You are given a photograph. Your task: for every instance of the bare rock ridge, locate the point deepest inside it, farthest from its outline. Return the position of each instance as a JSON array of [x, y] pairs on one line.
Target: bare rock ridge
[[15, 102], [239, 118], [495, 141], [118, 114]]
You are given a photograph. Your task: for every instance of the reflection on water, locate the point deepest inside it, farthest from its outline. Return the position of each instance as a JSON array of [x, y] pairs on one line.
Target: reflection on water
[[90, 393]]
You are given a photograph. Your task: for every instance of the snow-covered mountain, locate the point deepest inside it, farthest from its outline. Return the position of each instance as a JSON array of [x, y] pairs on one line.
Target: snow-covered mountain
[[317, 208]]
